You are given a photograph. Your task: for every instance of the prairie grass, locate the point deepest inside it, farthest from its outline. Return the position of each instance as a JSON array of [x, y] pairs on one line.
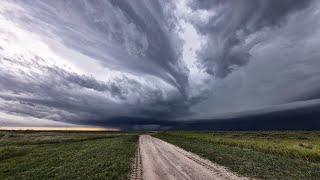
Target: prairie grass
[[295, 144], [64, 155], [254, 154], [49, 137], [7, 152]]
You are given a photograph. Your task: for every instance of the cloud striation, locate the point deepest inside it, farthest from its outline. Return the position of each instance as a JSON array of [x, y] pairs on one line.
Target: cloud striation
[[156, 64]]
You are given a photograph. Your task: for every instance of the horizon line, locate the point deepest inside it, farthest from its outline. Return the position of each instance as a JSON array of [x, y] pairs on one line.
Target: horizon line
[[43, 128]]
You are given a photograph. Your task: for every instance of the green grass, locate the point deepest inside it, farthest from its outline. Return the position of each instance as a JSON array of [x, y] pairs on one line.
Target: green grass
[[50, 137], [302, 145], [265, 155], [71, 157]]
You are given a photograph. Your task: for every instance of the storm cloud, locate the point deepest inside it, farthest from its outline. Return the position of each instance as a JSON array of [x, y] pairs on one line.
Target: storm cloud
[[155, 64], [233, 24]]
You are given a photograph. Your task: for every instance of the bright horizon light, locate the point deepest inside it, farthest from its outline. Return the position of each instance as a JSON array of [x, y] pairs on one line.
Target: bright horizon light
[[58, 128]]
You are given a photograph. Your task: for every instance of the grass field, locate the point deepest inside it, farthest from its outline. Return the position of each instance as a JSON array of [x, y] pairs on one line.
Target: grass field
[[66, 155], [266, 155], [108, 155]]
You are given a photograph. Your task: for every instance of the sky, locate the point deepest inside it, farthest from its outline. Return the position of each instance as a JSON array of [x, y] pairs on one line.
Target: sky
[[157, 64]]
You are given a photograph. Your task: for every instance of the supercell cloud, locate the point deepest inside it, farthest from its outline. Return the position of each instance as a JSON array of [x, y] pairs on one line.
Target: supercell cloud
[[154, 64]]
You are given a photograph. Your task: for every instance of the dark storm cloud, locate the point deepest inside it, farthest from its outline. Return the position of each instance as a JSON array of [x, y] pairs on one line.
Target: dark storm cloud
[[57, 94], [281, 117], [51, 77], [125, 64], [233, 23], [138, 37], [294, 116]]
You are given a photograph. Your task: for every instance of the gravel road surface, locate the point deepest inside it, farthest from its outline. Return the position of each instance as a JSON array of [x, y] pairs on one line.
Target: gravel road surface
[[161, 160]]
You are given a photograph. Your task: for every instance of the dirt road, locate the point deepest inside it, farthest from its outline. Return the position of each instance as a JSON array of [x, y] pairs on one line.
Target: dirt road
[[161, 160]]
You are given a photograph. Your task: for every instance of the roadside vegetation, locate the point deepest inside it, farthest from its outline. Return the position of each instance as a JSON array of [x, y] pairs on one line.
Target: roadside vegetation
[[29, 137], [66, 155], [265, 155]]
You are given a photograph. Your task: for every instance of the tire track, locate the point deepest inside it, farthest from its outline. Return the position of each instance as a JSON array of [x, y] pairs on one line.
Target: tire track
[[136, 172]]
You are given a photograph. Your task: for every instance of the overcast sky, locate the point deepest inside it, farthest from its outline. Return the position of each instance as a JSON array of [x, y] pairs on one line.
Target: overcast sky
[[99, 62]]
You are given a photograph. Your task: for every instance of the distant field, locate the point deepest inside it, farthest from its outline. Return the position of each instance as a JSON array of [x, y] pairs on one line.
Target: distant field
[[66, 155], [266, 155]]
